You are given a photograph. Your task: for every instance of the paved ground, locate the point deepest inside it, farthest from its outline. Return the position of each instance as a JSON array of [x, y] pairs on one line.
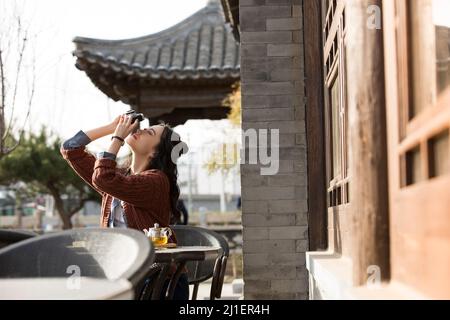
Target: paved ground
[[227, 292]]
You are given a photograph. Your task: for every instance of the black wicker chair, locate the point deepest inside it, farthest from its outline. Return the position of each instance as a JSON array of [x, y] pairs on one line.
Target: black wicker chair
[[199, 271], [99, 253], [11, 236]]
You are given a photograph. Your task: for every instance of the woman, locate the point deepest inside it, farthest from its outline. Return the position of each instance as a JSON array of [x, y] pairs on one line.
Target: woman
[[141, 195]]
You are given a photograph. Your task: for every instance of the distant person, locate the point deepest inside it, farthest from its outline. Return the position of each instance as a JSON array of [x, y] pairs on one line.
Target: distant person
[[238, 205], [183, 211], [142, 194], [202, 216]]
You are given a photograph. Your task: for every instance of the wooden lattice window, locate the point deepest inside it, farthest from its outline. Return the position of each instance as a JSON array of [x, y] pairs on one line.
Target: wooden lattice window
[[423, 131], [417, 46], [335, 102]]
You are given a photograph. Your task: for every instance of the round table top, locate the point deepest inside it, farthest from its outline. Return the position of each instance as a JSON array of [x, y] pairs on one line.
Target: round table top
[[70, 288], [186, 253]]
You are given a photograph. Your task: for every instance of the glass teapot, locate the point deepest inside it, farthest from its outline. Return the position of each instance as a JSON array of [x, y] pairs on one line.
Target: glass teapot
[[159, 236]]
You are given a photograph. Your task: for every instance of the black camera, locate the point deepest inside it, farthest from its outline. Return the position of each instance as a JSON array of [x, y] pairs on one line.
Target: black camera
[[135, 116]]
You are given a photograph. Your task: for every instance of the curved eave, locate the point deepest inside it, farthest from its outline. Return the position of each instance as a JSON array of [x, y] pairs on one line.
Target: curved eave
[[199, 47], [201, 15], [86, 59]]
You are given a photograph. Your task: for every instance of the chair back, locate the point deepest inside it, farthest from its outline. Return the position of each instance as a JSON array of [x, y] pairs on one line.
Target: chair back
[[199, 271], [11, 236], [96, 252]]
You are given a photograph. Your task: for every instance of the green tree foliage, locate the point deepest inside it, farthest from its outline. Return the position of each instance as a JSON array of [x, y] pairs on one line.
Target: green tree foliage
[[38, 163]]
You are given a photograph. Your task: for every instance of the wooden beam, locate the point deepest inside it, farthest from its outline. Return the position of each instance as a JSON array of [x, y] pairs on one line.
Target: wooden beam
[[187, 97], [367, 135], [231, 12], [180, 116], [317, 195]]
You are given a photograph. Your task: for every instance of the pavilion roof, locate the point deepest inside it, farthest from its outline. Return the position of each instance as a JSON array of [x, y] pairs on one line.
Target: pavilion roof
[[200, 47]]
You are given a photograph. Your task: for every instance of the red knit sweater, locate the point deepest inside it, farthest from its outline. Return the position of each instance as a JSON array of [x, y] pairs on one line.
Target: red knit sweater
[[145, 195]]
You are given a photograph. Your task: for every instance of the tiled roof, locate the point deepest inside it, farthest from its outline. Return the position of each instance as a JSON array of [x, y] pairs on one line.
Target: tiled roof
[[202, 46]]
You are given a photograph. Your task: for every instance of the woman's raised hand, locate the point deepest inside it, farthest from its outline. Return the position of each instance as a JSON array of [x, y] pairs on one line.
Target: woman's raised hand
[[124, 126], [112, 126]]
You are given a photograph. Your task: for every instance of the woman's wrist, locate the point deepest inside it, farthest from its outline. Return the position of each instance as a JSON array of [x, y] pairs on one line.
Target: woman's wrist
[[118, 138], [118, 134], [114, 147]]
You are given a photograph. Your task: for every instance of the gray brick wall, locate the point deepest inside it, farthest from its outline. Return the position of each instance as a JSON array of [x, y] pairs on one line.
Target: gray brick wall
[[274, 207]]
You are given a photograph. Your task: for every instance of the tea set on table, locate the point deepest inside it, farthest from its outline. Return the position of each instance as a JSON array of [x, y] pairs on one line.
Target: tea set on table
[[160, 236]]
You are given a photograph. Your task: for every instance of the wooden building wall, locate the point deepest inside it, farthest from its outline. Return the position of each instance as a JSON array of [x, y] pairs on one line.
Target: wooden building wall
[[386, 119]]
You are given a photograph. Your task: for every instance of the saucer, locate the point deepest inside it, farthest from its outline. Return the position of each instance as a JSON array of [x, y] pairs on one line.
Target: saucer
[[167, 245]]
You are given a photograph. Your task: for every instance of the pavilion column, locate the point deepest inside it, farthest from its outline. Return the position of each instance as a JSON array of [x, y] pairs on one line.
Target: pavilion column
[[367, 138]]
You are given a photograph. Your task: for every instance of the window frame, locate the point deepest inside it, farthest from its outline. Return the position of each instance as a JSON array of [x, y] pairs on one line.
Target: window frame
[[419, 212], [334, 33], [415, 131]]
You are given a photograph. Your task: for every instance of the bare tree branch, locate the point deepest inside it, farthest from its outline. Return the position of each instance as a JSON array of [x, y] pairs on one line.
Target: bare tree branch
[[2, 99], [17, 35], [30, 98], [16, 83]]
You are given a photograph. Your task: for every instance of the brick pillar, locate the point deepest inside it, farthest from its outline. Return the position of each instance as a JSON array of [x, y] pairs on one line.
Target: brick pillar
[[274, 207]]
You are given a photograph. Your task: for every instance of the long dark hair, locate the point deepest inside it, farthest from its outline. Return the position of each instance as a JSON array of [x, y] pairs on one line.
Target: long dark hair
[[169, 149]]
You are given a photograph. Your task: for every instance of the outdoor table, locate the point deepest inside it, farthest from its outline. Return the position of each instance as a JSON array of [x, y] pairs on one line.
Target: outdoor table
[[180, 256], [65, 289]]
